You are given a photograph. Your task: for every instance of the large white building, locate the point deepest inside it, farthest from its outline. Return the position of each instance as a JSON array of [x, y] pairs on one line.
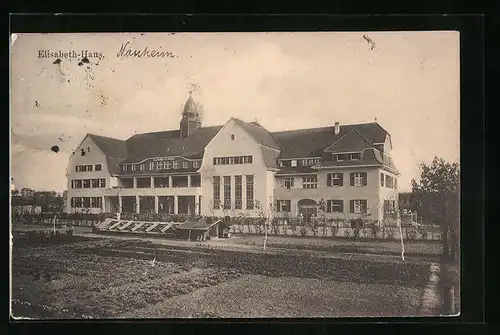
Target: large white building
[[238, 168]]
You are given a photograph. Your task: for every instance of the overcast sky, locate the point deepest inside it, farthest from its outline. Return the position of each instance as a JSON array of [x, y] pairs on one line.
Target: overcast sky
[[408, 81]]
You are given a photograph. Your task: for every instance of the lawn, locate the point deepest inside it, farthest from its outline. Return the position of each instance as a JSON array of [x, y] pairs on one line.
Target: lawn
[[123, 278]]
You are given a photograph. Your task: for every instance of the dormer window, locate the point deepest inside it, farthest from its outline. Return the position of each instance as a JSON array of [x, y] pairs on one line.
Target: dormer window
[[356, 155], [294, 163], [341, 157]]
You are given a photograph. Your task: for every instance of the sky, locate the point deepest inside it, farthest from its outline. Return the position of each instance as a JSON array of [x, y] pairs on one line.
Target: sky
[[407, 81]]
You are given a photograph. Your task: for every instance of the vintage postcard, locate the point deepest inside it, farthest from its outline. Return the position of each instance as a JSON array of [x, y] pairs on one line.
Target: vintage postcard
[[235, 175]]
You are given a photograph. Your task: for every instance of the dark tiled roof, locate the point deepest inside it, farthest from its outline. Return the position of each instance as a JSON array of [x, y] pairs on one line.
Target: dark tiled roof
[[270, 157], [114, 165], [352, 141], [111, 147], [169, 143], [259, 133], [311, 142]]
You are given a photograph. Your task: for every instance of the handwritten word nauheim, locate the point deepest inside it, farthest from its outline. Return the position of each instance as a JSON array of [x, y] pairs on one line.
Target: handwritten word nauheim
[[127, 51]]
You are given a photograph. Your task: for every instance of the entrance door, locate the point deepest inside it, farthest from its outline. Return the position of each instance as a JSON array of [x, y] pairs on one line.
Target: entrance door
[[307, 208]]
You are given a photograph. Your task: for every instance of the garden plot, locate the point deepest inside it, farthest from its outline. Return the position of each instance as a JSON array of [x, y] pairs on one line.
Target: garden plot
[[74, 284]]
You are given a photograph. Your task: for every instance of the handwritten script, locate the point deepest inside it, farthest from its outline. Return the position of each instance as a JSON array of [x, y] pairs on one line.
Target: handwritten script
[[126, 51]]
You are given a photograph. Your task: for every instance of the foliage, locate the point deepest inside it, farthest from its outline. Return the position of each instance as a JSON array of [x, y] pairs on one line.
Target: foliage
[[439, 187]]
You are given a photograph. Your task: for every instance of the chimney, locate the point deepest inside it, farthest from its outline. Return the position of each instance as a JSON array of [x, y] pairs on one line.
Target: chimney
[[337, 128]]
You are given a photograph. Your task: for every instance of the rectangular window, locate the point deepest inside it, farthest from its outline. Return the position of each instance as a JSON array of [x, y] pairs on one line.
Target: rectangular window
[[142, 167], [78, 183], [341, 157], [358, 179], [335, 179], [232, 160], [160, 182], [86, 183], [86, 202], [389, 181], [184, 165], [102, 182], [284, 206], [95, 183], [176, 164], [288, 182], [196, 181], [78, 202], [127, 183], [358, 206], [132, 167], [98, 167], [144, 182], [227, 192], [249, 192], [238, 192], [216, 184], [381, 179], [168, 165], [151, 166], [196, 164], [310, 181], [335, 206], [160, 165], [355, 156], [293, 163]]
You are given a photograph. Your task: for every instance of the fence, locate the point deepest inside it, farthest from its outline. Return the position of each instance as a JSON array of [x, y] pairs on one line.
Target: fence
[[343, 231], [252, 225]]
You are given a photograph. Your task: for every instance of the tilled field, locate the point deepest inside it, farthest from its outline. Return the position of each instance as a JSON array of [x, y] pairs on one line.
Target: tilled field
[[60, 282], [112, 278]]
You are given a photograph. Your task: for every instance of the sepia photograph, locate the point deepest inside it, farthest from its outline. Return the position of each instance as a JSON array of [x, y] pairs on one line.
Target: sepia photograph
[[235, 175]]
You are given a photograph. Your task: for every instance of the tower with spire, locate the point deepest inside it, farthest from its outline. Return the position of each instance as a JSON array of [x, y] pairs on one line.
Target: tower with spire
[[192, 117]]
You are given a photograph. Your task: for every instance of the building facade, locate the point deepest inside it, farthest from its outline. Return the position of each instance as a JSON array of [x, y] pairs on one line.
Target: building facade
[[235, 169]]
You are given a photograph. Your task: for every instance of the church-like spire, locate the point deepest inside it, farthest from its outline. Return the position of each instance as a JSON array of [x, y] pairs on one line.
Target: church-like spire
[[192, 116]]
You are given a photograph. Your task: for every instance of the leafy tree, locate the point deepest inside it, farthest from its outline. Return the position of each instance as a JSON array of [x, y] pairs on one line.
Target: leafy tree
[[440, 185]]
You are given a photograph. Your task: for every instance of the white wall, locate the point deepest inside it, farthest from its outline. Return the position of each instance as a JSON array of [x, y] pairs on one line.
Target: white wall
[[370, 192], [222, 146], [94, 156]]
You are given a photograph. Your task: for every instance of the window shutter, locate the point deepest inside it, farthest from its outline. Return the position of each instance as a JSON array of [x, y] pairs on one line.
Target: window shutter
[[329, 179], [381, 179], [363, 206], [352, 179], [352, 204], [341, 179], [341, 203], [365, 179], [291, 181], [288, 205], [328, 206]]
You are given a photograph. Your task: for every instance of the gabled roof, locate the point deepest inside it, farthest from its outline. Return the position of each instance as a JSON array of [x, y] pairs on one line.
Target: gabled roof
[[111, 147], [352, 141], [260, 134], [312, 142]]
